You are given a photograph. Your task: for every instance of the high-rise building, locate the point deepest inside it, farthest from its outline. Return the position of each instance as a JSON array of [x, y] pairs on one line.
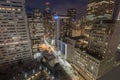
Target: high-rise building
[[35, 23], [47, 17], [99, 38], [47, 9], [100, 55], [116, 14], [14, 36], [100, 9], [62, 25], [97, 10], [72, 13], [116, 17]]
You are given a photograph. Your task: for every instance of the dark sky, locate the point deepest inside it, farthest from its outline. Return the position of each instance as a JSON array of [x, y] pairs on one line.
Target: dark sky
[[60, 6]]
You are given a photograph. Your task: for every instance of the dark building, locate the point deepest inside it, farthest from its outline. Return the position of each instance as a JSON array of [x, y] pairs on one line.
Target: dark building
[[116, 14], [47, 17], [72, 13], [47, 9], [36, 29]]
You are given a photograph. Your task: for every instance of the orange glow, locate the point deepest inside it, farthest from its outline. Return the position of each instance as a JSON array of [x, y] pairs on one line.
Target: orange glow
[[44, 47]]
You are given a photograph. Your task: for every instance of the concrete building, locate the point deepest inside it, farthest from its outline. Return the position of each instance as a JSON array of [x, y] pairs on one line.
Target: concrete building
[[102, 9], [72, 13], [116, 14], [99, 38], [35, 23], [97, 10], [103, 40], [61, 30], [100, 55], [47, 17], [72, 44], [93, 64], [78, 32], [14, 37], [116, 17]]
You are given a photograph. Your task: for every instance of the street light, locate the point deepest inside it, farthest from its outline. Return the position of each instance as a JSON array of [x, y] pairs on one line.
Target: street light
[[26, 75], [40, 68], [33, 71], [53, 77]]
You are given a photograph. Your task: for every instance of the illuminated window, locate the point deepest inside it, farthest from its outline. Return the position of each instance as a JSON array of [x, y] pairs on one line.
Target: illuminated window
[[8, 8], [8, 1], [13, 9], [19, 9], [3, 8]]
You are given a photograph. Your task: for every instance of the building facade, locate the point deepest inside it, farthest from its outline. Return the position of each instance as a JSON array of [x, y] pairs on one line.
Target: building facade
[[100, 9], [103, 39], [72, 13], [14, 37], [99, 38], [35, 23]]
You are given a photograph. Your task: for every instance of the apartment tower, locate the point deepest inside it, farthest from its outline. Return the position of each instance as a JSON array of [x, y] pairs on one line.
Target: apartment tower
[[14, 37]]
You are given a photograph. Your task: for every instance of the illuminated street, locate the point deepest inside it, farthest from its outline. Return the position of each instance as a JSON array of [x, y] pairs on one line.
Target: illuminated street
[[67, 67]]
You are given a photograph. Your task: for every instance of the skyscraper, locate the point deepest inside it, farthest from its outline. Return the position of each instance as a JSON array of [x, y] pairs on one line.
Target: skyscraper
[[35, 23], [72, 13], [116, 14], [100, 9], [47, 9], [47, 16], [100, 55], [14, 37]]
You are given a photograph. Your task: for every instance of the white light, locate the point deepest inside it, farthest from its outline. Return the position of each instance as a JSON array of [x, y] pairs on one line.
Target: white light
[[49, 72], [40, 67], [19, 9], [33, 71], [53, 77], [92, 67], [25, 75], [56, 17]]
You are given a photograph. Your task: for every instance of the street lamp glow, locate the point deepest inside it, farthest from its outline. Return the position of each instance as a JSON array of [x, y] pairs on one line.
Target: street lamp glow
[[56, 17]]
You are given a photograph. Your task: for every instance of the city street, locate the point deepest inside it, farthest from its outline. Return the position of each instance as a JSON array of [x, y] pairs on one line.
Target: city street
[[66, 66]]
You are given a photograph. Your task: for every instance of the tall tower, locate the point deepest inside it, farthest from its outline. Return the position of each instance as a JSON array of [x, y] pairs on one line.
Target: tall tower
[[47, 9], [116, 13], [72, 13], [103, 38], [35, 23], [14, 36], [47, 17]]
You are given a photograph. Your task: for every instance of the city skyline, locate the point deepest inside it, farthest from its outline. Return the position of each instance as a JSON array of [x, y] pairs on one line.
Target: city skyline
[[59, 40], [58, 6]]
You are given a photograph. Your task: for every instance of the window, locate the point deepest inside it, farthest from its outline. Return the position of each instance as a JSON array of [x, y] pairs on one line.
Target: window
[[16, 6], [5, 4]]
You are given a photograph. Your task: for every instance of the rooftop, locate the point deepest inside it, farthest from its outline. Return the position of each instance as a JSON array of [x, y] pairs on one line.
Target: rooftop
[[48, 56], [78, 37]]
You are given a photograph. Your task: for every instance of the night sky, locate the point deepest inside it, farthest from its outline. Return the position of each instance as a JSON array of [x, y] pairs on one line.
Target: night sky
[[60, 6]]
